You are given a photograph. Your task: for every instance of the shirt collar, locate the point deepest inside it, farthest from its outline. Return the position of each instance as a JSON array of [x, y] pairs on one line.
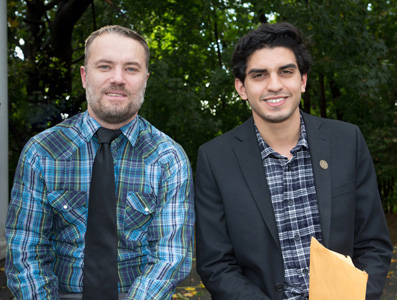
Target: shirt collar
[[302, 142], [131, 130], [266, 150], [90, 126]]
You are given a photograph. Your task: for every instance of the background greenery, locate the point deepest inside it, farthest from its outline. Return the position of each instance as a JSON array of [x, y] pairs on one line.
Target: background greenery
[[190, 93]]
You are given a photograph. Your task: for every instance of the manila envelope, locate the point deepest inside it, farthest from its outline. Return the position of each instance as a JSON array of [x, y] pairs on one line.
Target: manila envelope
[[333, 275]]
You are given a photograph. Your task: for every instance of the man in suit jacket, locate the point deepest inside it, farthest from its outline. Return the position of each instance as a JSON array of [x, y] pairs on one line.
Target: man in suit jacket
[[269, 185]]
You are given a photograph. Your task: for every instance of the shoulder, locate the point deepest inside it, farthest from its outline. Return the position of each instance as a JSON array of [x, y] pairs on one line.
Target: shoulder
[[155, 144], [229, 139], [342, 137], [238, 133], [334, 127], [58, 141]]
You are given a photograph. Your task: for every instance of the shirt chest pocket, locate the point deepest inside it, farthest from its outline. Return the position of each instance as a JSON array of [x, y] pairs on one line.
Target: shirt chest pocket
[[68, 207], [66, 201], [139, 211]]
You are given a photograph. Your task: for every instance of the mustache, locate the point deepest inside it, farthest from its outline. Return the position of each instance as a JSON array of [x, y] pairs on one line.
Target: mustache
[[276, 94], [116, 88]]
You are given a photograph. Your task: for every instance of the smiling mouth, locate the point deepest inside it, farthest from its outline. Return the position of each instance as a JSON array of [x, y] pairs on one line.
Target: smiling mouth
[[277, 100], [114, 95]]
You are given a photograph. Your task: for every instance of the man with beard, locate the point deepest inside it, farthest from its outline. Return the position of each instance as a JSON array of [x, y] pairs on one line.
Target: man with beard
[[264, 189], [49, 222]]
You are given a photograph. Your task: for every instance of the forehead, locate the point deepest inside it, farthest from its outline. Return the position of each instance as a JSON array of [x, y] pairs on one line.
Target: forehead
[[113, 46], [269, 58]]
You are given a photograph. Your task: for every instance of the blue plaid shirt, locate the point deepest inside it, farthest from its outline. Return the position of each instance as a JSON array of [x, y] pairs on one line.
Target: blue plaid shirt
[[293, 194], [46, 221]]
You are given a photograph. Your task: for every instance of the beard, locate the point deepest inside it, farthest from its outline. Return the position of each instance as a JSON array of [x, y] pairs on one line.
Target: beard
[[279, 115], [114, 113]]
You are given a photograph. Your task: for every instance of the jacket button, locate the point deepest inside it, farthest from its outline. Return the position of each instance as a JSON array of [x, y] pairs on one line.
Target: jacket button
[[278, 287]]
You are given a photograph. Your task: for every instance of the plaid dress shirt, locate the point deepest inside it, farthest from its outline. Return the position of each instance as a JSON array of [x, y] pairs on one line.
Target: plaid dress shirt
[[293, 194], [46, 221]]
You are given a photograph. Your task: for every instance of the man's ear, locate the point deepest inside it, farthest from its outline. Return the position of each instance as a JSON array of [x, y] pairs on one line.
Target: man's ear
[[240, 88], [83, 75], [303, 83]]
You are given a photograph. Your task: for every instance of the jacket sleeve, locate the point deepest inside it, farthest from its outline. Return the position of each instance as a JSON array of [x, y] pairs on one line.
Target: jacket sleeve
[[216, 261], [372, 247]]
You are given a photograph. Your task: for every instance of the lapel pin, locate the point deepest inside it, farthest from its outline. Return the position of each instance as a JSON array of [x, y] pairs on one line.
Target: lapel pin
[[323, 164]]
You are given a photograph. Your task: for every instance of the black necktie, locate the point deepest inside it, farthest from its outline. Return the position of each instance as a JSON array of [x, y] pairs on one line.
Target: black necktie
[[100, 275]]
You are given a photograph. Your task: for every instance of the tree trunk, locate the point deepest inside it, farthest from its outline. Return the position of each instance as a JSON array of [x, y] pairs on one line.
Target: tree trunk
[[336, 93], [61, 32], [323, 99]]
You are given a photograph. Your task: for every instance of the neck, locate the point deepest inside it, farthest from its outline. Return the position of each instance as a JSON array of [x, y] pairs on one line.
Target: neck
[[282, 137], [109, 125]]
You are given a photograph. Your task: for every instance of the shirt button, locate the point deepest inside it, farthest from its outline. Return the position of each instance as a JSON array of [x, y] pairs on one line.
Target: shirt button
[[146, 209], [65, 206], [290, 202], [297, 237], [305, 272]]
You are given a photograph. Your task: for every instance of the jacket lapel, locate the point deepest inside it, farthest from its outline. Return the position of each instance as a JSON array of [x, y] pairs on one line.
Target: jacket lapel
[[319, 144], [249, 159]]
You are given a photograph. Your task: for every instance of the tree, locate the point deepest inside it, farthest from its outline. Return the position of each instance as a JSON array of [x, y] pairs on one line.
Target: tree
[[40, 82], [353, 79], [190, 93]]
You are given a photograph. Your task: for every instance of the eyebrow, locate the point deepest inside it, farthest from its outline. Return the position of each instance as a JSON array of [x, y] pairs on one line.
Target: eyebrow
[[107, 61], [288, 66]]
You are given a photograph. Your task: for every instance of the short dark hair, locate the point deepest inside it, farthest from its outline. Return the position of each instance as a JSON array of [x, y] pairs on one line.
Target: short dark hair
[[270, 36], [117, 29]]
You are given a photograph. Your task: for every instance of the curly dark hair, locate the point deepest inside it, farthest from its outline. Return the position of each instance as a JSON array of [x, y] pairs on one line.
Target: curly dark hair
[[270, 36]]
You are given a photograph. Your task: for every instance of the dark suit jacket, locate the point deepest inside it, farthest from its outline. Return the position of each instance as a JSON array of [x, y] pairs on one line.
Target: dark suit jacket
[[238, 250]]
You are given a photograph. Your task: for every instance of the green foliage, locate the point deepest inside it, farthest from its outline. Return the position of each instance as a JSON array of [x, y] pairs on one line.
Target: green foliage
[[190, 93]]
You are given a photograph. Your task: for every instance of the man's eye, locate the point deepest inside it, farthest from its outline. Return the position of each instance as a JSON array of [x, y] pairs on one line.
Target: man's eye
[[104, 67], [131, 69], [257, 75]]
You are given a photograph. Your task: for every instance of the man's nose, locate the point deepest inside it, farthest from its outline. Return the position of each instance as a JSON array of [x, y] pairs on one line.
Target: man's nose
[[117, 77], [274, 83]]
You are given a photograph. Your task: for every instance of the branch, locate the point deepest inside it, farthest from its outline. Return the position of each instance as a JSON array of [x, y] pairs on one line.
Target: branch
[[52, 4], [93, 15], [78, 60], [118, 9], [216, 37], [32, 21]]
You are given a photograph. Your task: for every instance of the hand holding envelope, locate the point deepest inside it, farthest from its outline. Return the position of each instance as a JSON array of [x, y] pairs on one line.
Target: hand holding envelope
[[333, 276]]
